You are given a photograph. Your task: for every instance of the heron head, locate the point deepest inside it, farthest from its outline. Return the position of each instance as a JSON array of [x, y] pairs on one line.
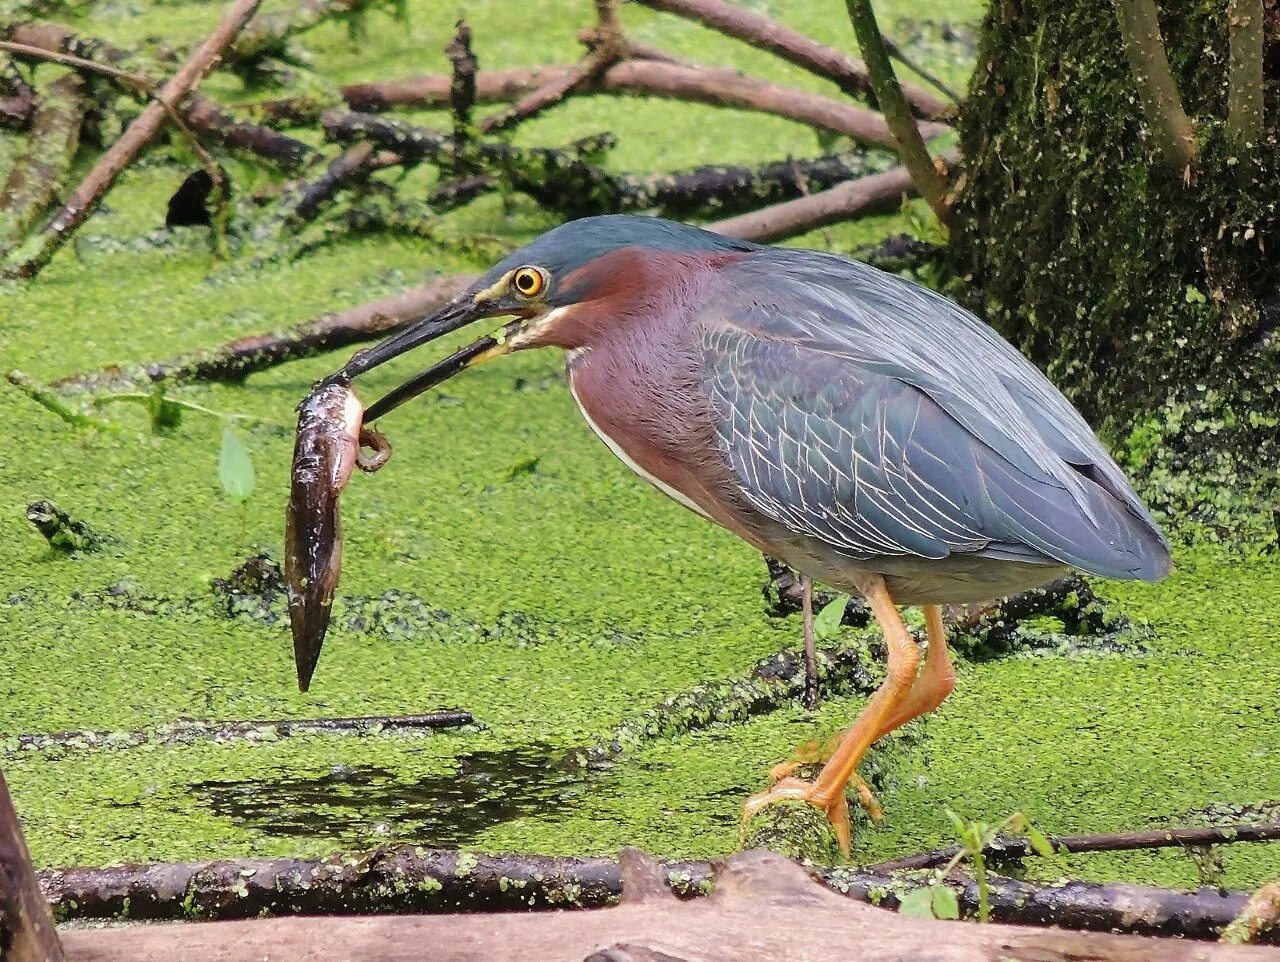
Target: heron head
[[535, 285]]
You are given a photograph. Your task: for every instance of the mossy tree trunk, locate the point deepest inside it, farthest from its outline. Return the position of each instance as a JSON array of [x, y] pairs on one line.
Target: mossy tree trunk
[[1149, 292]]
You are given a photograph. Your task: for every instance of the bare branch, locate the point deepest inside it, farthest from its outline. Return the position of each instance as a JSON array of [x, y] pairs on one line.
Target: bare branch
[[1244, 72], [1174, 133], [876, 194], [760, 31], [931, 183]]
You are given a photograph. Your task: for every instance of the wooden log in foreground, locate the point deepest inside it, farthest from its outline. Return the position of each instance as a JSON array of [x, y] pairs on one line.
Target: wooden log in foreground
[[26, 928], [764, 907]]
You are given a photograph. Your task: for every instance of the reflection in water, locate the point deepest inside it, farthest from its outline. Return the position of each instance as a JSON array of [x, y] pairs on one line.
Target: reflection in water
[[355, 805]]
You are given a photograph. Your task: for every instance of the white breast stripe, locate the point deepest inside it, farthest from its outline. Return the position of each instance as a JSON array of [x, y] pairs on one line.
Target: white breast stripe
[[621, 455]]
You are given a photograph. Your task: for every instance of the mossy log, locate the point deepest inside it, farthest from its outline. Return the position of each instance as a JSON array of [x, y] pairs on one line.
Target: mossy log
[[17, 97], [434, 883], [1148, 291]]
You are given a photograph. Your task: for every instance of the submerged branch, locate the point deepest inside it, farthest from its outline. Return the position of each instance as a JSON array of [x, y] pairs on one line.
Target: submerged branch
[[1172, 129], [764, 33], [17, 97], [1245, 87], [236, 359], [930, 182]]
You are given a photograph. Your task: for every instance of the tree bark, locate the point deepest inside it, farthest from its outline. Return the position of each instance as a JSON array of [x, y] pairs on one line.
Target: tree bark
[[26, 927], [1144, 45], [763, 907]]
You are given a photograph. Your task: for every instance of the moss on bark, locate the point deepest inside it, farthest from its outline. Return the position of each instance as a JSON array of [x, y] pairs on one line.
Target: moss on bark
[[1149, 295]]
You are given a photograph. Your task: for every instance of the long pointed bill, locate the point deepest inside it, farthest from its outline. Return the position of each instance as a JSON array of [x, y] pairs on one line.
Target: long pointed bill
[[459, 312], [477, 352]]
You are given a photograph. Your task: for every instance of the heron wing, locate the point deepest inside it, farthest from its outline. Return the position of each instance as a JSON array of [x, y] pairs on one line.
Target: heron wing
[[883, 419]]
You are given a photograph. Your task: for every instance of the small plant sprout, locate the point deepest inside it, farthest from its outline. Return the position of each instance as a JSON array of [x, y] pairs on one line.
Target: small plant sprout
[[975, 838], [235, 473]]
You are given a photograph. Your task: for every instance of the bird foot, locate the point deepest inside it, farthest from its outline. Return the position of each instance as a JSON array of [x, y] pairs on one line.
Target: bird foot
[[837, 807], [811, 753]]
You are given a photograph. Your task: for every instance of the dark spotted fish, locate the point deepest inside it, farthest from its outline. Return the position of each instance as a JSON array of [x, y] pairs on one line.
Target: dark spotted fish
[[326, 448]]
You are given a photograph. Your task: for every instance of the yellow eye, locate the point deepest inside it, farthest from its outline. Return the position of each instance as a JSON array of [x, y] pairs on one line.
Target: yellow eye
[[529, 281]]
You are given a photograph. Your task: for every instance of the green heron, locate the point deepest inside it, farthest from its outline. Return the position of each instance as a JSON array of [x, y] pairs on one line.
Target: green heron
[[863, 429]]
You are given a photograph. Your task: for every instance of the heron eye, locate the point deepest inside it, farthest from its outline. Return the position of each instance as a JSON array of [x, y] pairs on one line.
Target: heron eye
[[529, 281]]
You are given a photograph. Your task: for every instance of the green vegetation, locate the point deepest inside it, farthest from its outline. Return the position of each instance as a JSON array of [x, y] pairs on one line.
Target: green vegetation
[[579, 596]]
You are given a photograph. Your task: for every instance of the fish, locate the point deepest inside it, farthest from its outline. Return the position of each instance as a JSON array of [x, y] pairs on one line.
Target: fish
[[330, 442]]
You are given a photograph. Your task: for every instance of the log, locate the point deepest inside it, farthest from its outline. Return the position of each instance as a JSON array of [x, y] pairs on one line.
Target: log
[[85, 199], [875, 194], [17, 97], [26, 927], [237, 359], [765, 33], [763, 907], [37, 172]]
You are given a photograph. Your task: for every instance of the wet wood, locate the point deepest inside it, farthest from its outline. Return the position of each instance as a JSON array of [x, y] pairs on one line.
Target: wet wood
[[85, 198], [26, 927], [763, 907]]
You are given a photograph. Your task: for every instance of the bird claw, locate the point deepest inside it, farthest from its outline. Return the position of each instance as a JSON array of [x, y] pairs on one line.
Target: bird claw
[[790, 788]]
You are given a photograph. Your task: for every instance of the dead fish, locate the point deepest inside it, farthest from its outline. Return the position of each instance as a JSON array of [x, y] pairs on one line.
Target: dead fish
[[329, 443]]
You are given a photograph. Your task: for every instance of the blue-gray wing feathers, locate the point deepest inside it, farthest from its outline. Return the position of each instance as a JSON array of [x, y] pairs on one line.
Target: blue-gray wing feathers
[[884, 420]]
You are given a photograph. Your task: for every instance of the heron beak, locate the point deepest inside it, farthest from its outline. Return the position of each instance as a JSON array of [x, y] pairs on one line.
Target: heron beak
[[457, 314]]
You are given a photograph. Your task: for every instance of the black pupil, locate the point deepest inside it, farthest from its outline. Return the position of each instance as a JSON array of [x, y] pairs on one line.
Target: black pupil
[[527, 282]]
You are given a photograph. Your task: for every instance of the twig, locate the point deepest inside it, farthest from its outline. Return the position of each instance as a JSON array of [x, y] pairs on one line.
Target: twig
[[33, 182], [1172, 129], [764, 33], [51, 402], [415, 880], [580, 75], [897, 53], [1012, 848], [1244, 72], [432, 90], [186, 730], [130, 81], [931, 183], [237, 359], [462, 84], [875, 194], [303, 201], [84, 200]]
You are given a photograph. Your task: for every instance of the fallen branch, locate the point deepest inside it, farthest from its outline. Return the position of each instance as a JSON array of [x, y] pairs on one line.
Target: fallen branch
[[1245, 82], [26, 927], [727, 88], [237, 359], [875, 194], [580, 75], [419, 881], [1260, 915], [764, 33], [266, 34], [185, 731], [302, 202], [1172, 129], [1016, 848], [60, 43], [929, 180], [28, 260], [492, 86], [38, 170]]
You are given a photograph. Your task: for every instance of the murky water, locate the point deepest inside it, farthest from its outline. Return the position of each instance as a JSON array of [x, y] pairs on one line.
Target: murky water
[[359, 804]]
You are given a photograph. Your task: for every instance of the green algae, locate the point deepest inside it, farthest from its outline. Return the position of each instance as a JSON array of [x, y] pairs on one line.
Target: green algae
[[647, 601]]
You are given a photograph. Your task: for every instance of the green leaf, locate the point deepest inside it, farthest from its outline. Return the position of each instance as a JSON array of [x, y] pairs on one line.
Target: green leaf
[[826, 624], [957, 823], [235, 469], [1039, 843], [917, 904], [944, 903]]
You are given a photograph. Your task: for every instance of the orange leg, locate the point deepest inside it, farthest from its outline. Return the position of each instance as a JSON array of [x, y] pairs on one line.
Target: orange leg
[[937, 676], [828, 790]]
